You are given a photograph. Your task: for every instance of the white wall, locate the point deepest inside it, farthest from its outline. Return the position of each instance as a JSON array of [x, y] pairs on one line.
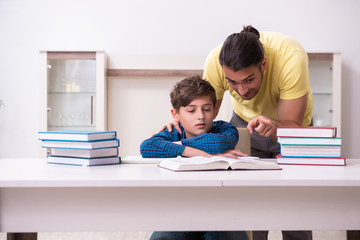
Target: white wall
[[159, 27]]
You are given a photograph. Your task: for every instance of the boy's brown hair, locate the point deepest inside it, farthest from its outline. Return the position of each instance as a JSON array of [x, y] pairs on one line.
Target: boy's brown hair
[[185, 91]]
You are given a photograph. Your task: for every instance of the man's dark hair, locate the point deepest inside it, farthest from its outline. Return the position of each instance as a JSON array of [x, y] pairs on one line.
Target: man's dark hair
[[241, 50], [190, 88]]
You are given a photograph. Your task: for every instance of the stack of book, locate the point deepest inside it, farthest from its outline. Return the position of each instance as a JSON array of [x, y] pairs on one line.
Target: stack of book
[[83, 148], [309, 146]]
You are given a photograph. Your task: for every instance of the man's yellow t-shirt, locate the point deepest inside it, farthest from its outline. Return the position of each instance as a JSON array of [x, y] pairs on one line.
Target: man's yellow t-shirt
[[286, 77]]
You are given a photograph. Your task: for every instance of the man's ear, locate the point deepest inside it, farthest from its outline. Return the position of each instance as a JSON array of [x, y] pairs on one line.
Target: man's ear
[[175, 114], [264, 64]]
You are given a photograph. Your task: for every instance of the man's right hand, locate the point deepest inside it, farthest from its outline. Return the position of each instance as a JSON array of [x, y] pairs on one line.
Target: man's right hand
[[170, 126]]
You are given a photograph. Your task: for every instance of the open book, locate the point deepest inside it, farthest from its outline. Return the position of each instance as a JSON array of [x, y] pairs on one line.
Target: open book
[[217, 163]]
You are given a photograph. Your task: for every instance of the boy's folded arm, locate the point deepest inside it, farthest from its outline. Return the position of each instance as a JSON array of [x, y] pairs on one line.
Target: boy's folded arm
[[156, 148], [161, 145], [225, 137], [211, 142], [192, 152]]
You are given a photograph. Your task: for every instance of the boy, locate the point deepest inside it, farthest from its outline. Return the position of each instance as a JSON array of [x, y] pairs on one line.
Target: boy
[[193, 100]]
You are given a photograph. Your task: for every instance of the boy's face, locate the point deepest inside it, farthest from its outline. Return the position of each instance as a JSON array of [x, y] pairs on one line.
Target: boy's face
[[197, 117]]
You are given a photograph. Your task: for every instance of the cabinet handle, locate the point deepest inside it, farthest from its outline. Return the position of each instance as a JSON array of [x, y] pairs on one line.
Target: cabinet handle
[[92, 111]]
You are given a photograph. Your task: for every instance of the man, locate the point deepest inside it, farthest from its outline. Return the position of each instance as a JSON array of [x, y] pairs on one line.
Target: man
[[268, 79]]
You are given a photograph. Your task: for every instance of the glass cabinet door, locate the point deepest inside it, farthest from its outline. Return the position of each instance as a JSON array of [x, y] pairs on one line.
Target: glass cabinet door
[[322, 86], [72, 91], [325, 78], [71, 98]]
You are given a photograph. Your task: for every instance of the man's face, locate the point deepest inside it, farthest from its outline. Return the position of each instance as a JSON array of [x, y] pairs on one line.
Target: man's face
[[245, 82], [197, 117]]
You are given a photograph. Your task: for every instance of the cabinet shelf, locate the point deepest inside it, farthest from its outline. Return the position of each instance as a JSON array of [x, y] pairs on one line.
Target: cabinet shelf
[[322, 93], [71, 126], [89, 128], [72, 93]]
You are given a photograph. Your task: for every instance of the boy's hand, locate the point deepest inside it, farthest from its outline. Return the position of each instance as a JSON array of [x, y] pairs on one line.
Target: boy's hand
[[171, 125], [232, 154]]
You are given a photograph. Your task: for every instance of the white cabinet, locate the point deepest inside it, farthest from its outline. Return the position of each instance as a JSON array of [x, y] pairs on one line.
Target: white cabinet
[[73, 91], [325, 79]]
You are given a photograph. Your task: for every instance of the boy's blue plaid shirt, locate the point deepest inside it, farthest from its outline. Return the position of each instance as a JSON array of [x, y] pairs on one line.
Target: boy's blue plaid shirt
[[221, 137]]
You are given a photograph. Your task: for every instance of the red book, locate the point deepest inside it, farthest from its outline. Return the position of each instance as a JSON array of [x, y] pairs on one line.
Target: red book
[[320, 161], [314, 132]]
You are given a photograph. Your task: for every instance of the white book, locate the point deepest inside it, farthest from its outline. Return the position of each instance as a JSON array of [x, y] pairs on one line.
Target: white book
[[80, 145], [309, 141], [85, 153], [217, 163], [76, 135], [324, 132], [83, 161]]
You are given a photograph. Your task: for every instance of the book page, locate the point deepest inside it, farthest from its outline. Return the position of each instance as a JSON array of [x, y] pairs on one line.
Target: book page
[[216, 163], [253, 164], [194, 163]]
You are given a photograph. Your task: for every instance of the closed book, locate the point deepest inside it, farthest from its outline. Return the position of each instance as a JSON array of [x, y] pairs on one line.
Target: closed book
[[83, 161], [321, 161], [217, 163], [80, 145], [309, 141], [74, 135], [310, 150], [315, 132], [85, 153]]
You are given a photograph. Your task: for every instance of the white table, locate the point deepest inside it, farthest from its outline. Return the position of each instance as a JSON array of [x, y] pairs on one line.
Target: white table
[[38, 197]]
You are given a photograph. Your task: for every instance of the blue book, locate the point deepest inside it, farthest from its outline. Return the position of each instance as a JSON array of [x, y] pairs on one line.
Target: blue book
[[73, 135], [310, 150]]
